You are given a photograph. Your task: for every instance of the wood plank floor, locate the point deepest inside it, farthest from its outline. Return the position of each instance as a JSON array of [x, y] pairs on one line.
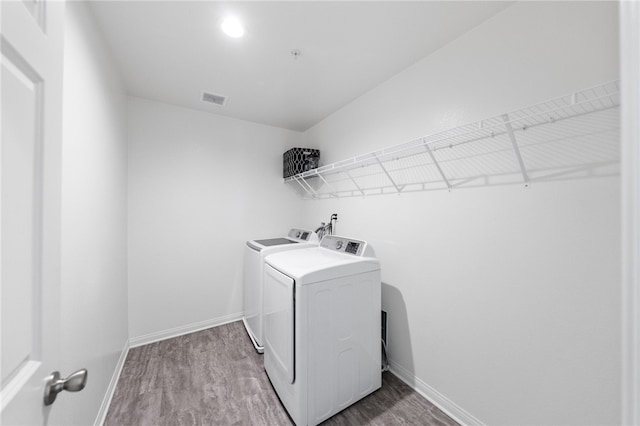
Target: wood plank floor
[[215, 377]]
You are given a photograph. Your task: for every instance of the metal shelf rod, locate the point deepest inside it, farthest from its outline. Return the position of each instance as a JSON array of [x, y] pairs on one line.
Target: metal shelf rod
[[433, 158], [354, 181], [387, 173], [516, 149], [306, 187], [419, 141], [579, 103], [332, 192]]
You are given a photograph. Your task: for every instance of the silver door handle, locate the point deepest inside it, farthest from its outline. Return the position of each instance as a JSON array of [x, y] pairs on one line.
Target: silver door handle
[[54, 385]]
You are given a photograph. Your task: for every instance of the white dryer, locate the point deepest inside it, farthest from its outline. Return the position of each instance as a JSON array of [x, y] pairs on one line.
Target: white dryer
[[255, 252], [322, 327]]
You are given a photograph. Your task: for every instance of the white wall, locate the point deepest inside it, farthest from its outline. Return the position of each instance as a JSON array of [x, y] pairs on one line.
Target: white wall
[[94, 251], [200, 185], [630, 166], [505, 300]]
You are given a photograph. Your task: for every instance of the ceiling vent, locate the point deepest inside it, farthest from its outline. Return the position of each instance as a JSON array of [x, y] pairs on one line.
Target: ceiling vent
[[214, 99]]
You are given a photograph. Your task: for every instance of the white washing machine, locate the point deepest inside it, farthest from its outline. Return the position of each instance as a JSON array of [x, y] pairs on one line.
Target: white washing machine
[[255, 252], [322, 327]]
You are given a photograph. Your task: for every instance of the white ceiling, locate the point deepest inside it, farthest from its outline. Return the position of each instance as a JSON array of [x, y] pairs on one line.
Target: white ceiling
[[172, 51]]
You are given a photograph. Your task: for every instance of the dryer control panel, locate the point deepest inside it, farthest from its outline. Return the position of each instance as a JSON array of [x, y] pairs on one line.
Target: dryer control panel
[[347, 245]]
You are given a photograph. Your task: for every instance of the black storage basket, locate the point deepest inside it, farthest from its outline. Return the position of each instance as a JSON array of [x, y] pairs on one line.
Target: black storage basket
[[298, 160]]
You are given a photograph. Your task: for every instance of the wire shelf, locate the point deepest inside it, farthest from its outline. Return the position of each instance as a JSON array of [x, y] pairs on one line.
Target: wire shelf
[[567, 137]]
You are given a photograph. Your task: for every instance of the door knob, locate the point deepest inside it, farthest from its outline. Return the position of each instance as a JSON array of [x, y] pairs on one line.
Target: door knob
[[54, 385]]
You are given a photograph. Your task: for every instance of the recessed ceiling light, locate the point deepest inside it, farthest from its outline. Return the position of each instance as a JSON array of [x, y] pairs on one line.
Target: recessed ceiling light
[[232, 27]]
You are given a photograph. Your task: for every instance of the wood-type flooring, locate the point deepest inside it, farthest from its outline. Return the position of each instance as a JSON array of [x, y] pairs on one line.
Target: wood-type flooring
[[215, 377]]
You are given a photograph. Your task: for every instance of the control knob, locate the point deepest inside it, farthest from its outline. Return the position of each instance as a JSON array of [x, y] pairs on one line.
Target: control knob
[[338, 245]]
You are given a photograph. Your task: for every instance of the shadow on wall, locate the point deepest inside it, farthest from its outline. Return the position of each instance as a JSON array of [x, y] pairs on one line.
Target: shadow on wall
[[534, 147], [399, 346]]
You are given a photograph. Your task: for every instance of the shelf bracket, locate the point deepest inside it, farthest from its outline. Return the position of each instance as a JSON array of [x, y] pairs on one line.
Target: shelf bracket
[[306, 186], [387, 173], [516, 149], [435, 162], [354, 181], [328, 186]]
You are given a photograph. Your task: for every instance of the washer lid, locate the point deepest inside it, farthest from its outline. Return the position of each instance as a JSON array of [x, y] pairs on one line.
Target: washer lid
[[275, 242], [295, 236], [320, 264]]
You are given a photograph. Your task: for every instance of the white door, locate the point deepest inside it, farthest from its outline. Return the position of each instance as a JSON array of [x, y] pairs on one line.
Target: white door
[[31, 92]]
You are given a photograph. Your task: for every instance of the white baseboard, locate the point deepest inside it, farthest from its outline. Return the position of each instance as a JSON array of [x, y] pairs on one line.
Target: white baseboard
[[184, 329], [108, 396], [449, 407]]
